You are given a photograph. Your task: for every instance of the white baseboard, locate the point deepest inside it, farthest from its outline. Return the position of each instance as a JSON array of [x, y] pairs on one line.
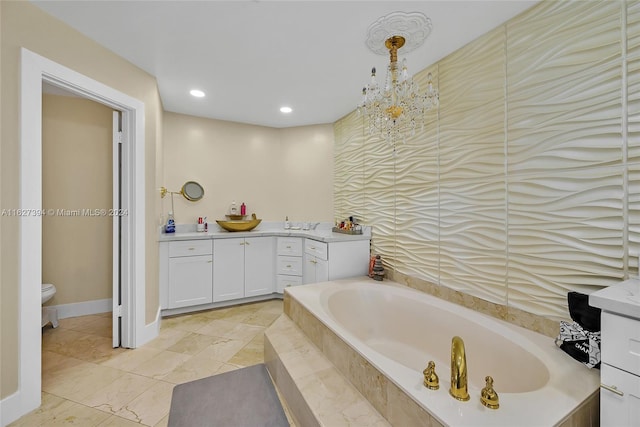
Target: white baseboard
[[11, 408], [83, 308]]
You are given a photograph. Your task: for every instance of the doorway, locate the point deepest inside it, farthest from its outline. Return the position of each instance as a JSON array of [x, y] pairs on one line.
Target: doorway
[[35, 70], [80, 240]]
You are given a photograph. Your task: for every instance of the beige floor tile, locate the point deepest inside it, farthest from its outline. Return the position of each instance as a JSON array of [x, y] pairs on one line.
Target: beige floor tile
[[101, 326], [93, 348], [80, 380], [160, 365], [151, 406], [57, 340], [226, 329], [118, 394], [248, 356], [261, 318], [216, 313], [167, 338], [52, 362], [274, 306], [192, 344], [116, 421], [186, 322], [222, 350], [163, 422], [130, 359], [78, 323], [56, 411]]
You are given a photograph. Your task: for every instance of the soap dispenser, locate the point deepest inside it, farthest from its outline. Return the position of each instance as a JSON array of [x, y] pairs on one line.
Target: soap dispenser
[[287, 224], [171, 224], [233, 209]]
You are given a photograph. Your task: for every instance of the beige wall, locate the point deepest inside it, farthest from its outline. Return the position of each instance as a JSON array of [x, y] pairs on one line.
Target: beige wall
[[24, 25], [76, 175], [275, 172], [523, 185]]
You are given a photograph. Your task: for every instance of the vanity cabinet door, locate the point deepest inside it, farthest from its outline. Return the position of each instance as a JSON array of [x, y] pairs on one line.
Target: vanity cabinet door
[[228, 274], [315, 269], [619, 407], [259, 266], [190, 281]]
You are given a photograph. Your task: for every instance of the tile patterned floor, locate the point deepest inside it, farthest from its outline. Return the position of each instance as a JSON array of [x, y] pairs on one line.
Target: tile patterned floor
[[86, 382]]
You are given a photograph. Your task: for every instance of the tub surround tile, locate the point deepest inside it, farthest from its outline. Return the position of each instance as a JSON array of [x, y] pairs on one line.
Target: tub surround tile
[[403, 411], [512, 315], [369, 381], [317, 393]]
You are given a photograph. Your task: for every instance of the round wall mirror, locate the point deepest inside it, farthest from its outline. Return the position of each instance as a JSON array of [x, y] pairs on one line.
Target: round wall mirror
[[192, 191]]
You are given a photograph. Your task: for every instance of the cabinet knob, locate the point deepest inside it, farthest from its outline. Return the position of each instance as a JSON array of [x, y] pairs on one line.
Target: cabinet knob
[[288, 266], [288, 246], [210, 262], [192, 249], [612, 389]]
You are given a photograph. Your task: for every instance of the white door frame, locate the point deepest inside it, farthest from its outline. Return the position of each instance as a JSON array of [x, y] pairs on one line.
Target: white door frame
[[34, 70]]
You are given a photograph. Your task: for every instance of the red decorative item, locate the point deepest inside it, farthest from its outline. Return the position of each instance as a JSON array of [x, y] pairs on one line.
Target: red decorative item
[[243, 209], [372, 261]]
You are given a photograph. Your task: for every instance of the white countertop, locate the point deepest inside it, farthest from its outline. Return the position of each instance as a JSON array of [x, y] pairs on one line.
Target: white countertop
[[322, 233], [622, 298]]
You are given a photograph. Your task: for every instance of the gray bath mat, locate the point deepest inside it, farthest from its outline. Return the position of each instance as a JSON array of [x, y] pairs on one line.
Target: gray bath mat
[[242, 398]]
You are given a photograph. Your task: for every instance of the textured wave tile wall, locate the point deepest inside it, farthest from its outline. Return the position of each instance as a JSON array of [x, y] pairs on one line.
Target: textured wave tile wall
[[416, 195], [633, 137], [565, 186], [349, 195], [472, 183], [524, 187]]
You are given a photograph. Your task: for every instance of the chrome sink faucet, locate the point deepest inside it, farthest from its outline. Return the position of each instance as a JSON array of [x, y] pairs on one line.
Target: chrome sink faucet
[[458, 370]]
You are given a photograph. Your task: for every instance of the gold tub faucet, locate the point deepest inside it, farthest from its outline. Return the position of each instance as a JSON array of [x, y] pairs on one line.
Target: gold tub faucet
[[458, 370]]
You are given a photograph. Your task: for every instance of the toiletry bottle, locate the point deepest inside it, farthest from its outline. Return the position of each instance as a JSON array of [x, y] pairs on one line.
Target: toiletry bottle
[[287, 224], [206, 225], [243, 209], [233, 209], [171, 224]]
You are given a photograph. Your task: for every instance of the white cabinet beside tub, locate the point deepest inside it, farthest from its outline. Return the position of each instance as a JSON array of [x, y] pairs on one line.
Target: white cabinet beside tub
[[334, 260], [620, 353]]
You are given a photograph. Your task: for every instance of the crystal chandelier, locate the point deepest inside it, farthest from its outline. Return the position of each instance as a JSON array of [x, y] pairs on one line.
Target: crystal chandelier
[[395, 110]]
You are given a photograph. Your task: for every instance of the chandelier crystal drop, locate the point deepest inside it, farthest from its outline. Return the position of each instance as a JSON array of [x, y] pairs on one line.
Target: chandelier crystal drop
[[395, 110]]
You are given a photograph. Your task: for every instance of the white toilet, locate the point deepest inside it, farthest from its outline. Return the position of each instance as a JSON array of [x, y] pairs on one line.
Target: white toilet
[[49, 314]]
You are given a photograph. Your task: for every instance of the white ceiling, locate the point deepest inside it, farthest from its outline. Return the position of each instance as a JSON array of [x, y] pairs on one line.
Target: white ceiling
[[252, 57]]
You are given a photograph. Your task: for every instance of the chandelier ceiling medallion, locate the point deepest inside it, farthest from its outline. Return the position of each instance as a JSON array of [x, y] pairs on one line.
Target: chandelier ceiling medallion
[[394, 110]]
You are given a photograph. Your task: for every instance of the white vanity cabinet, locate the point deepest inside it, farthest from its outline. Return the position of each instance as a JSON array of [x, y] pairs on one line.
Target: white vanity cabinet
[[316, 262], [620, 371], [244, 267], [619, 353], [288, 262], [190, 270], [334, 260]]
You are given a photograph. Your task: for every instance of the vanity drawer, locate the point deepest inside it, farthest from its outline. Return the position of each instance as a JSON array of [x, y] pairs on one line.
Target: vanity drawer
[[291, 246], [289, 265], [621, 342], [284, 281], [313, 247], [190, 247]]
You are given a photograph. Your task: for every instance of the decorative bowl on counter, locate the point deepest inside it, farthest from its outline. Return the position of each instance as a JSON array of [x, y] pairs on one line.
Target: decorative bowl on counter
[[235, 217], [239, 225]]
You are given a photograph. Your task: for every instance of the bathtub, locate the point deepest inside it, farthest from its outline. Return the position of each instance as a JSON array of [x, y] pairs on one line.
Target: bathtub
[[398, 330]]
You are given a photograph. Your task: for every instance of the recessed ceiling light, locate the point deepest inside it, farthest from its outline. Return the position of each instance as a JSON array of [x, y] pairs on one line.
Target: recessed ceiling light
[[197, 93], [285, 109]]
